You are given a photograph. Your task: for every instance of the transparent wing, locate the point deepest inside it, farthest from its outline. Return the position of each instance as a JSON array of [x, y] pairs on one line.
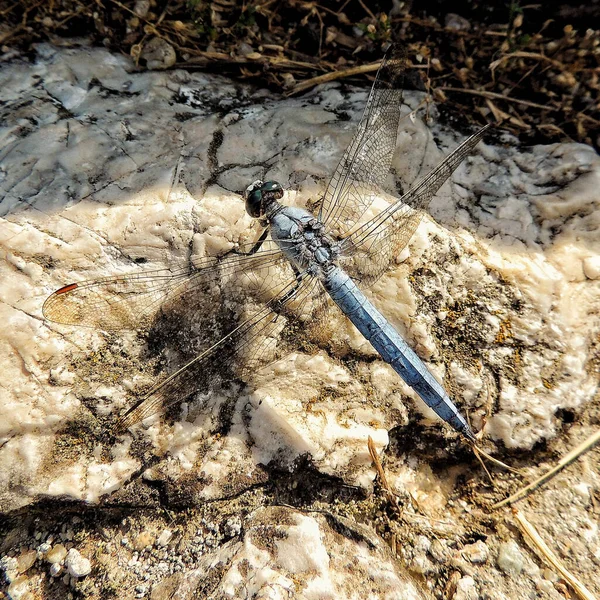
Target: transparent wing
[[229, 311], [369, 250], [366, 162], [252, 342], [130, 301]]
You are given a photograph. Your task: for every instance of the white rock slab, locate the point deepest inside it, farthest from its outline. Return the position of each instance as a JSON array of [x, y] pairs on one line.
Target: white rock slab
[[102, 167], [287, 554]]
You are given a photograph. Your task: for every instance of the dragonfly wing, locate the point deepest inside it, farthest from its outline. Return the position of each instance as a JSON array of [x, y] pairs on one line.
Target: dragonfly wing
[[131, 300], [251, 343], [366, 162], [369, 250]]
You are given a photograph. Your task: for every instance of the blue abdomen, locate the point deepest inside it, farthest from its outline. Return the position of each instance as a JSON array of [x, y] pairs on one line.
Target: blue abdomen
[[392, 348]]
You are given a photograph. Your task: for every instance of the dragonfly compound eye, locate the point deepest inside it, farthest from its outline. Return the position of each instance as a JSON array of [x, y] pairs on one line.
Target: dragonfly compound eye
[[273, 188], [259, 195], [254, 203], [254, 199]]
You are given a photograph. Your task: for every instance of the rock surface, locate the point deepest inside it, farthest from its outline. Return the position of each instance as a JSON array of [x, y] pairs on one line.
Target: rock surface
[[103, 168]]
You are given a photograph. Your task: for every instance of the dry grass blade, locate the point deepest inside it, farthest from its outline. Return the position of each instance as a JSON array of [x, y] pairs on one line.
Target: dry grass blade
[[480, 459], [533, 55], [304, 85], [586, 445], [496, 96], [219, 59], [381, 474], [532, 537], [481, 452]]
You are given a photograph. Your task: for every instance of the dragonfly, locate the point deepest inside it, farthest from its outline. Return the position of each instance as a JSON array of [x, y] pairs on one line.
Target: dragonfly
[[302, 265]]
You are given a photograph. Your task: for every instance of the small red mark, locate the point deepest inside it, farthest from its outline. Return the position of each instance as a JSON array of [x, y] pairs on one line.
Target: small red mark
[[66, 288]]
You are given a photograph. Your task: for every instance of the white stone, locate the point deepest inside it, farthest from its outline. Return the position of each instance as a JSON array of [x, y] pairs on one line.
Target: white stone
[[164, 538], [43, 548], [56, 554], [510, 558], [10, 566], [591, 267], [466, 589], [476, 553], [77, 565], [582, 489], [19, 589]]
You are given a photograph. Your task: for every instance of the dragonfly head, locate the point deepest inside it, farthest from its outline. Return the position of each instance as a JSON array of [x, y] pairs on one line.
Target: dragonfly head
[[260, 195]]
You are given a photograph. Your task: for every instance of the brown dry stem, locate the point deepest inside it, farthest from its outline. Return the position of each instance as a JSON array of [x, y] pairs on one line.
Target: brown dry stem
[[533, 538], [582, 448]]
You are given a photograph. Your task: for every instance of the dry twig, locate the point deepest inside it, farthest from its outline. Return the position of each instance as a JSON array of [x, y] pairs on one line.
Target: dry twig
[[586, 445], [534, 539], [533, 55], [332, 76], [496, 96], [381, 474]]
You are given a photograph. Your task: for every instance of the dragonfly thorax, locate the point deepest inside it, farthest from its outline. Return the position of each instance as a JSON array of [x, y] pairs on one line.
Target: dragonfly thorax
[[298, 233], [303, 239]]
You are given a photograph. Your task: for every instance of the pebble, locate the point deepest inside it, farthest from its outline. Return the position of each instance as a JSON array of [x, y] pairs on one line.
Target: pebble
[[141, 8], [19, 589], [439, 552], [466, 589], [8, 563], [476, 553], [422, 565], [546, 588], [583, 490], [550, 575], [159, 54], [25, 560], [510, 558], [244, 49], [233, 526], [422, 543], [78, 565], [55, 569], [56, 554], [591, 267], [289, 81], [164, 538], [143, 540], [163, 567], [456, 22], [43, 548]]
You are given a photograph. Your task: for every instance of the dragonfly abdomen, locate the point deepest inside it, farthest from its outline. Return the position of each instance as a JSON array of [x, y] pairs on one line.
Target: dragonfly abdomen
[[392, 348]]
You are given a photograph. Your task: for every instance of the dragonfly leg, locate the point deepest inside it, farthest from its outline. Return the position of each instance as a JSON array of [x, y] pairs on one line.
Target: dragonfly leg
[[257, 245], [281, 302]]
